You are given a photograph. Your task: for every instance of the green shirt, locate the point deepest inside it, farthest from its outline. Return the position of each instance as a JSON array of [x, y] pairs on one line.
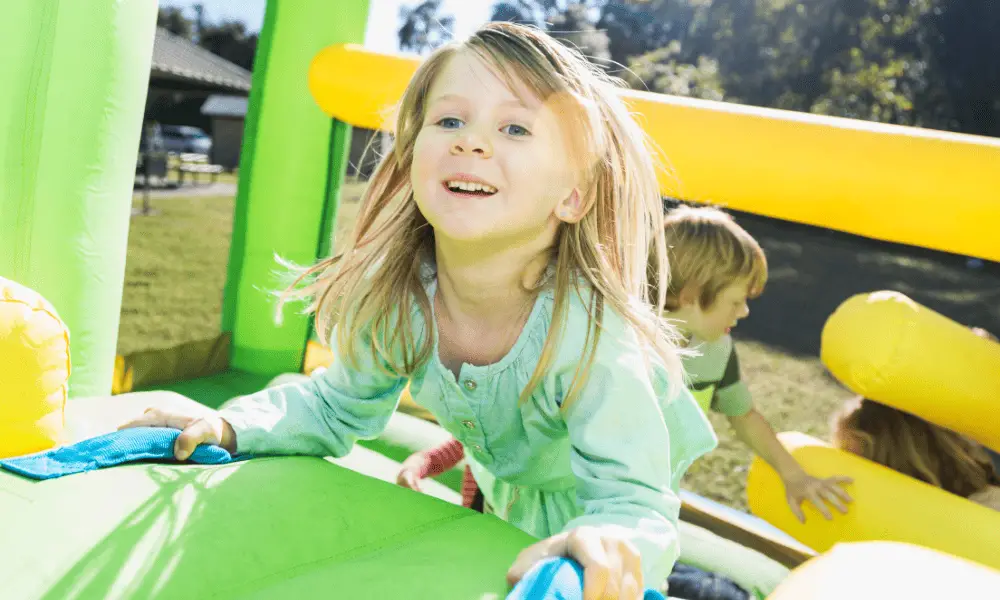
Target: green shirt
[[714, 377], [599, 462]]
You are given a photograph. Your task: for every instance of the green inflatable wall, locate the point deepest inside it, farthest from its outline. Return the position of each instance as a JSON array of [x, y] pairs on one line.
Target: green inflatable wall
[[75, 76], [281, 204]]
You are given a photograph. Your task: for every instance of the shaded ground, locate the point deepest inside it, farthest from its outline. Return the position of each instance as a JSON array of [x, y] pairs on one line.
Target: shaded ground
[[813, 270]]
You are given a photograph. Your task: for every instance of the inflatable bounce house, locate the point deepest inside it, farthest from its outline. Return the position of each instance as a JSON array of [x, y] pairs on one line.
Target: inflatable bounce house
[[302, 527]]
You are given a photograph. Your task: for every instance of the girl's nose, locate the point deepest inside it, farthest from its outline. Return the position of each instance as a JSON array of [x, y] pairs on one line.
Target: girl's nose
[[471, 143]]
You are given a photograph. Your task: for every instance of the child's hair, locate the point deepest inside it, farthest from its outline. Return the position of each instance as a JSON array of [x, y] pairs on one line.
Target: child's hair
[[706, 248], [378, 277], [912, 446], [986, 335]]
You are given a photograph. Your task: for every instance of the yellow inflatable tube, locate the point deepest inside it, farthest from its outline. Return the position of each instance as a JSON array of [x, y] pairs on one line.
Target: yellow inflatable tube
[[880, 181], [34, 371], [887, 506], [884, 570], [891, 349]]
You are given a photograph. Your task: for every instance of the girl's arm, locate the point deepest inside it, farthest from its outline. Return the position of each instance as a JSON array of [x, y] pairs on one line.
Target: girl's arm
[[630, 452], [323, 416]]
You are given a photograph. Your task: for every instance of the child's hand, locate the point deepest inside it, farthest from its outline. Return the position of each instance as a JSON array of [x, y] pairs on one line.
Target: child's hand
[[409, 475], [802, 487], [611, 565], [195, 430]]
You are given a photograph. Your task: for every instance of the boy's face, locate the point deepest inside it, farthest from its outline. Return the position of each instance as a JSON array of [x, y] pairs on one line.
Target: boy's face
[[717, 320]]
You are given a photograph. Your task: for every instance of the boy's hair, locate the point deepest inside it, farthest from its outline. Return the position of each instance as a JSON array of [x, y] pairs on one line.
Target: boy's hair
[[912, 446], [378, 277], [708, 250]]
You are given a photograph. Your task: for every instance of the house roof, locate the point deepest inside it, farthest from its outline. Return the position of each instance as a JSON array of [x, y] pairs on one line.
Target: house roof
[[177, 58], [219, 105]]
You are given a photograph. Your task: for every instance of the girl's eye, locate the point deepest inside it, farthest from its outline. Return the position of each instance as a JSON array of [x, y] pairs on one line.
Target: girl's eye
[[450, 123], [515, 130]]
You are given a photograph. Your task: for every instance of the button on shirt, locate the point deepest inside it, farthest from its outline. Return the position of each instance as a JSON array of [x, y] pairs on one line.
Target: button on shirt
[[612, 458]]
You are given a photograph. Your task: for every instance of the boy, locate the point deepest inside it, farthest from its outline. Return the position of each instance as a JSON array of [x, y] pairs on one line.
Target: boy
[[715, 266]]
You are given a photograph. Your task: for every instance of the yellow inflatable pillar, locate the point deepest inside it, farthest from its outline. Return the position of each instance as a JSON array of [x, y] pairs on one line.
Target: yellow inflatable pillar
[[34, 372], [884, 570], [888, 348], [887, 506]]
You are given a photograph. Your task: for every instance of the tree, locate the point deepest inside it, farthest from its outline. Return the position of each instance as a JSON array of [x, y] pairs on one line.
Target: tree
[[423, 28], [636, 28], [575, 27], [927, 63], [231, 41], [660, 71], [964, 44], [572, 22], [528, 12], [173, 20]]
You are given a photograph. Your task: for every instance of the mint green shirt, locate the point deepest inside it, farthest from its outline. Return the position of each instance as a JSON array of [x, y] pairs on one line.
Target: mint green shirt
[[613, 459]]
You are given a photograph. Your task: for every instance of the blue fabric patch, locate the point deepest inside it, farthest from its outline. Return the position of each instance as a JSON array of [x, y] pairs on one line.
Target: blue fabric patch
[[125, 446], [557, 579]]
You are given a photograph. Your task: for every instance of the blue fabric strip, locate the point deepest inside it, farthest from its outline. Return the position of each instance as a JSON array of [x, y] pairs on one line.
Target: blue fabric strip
[[119, 447]]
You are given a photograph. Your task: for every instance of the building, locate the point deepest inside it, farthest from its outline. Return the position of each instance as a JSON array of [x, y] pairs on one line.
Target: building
[[182, 80], [189, 85], [227, 114]]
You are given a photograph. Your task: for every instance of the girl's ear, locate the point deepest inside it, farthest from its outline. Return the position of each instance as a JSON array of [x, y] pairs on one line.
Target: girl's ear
[[572, 208]]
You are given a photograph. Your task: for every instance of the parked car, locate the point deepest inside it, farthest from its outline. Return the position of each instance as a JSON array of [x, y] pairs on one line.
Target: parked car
[[186, 139]]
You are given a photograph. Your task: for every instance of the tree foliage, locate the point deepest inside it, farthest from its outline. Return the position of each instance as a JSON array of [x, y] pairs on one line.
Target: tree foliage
[[929, 63]]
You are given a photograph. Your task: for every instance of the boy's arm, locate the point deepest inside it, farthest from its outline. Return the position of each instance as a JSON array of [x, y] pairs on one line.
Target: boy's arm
[[733, 400], [753, 430]]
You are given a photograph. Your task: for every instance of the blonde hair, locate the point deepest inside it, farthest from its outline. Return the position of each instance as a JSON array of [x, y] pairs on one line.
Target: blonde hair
[[912, 446], [707, 249], [379, 276]]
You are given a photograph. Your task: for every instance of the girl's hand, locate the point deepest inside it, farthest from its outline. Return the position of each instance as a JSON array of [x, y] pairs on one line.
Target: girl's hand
[[195, 430], [611, 565], [409, 475]]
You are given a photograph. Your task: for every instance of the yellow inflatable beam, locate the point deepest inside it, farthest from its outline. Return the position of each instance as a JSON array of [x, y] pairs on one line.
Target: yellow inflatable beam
[[887, 506], [886, 347], [904, 185]]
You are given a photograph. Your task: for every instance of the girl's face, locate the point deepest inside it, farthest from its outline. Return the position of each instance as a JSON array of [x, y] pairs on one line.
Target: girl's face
[[490, 163]]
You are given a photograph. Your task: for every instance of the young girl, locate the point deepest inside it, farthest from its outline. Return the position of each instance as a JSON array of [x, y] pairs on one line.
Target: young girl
[[915, 447], [499, 265]]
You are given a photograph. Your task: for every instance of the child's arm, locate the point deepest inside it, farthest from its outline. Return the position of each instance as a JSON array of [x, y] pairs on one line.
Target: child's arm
[[628, 458], [732, 398], [754, 431], [323, 416], [429, 463]]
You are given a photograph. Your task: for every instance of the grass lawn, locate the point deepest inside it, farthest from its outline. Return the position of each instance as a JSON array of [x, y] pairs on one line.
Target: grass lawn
[[177, 265]]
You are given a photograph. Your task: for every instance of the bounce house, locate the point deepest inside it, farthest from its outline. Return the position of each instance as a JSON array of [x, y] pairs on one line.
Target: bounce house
[[302, 527]]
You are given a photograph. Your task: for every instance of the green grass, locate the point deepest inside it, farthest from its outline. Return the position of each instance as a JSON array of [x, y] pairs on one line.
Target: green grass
[[175, 271]]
